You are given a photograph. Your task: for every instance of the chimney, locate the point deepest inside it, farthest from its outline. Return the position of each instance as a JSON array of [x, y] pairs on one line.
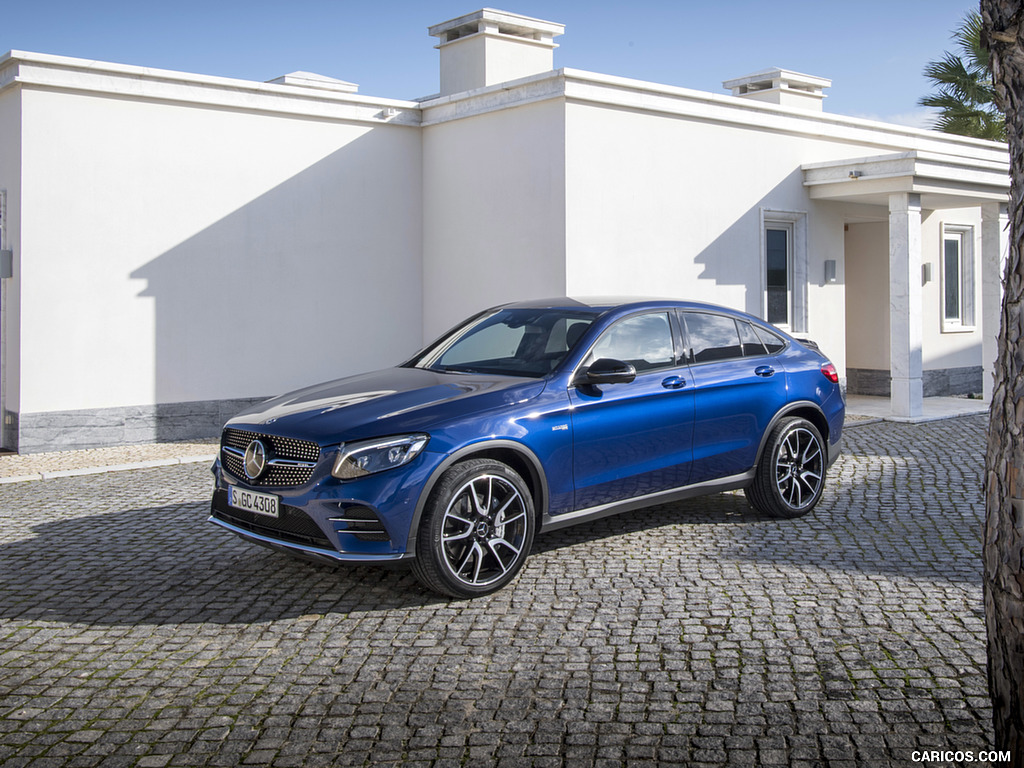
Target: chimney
[[489, 47], [780, 86]]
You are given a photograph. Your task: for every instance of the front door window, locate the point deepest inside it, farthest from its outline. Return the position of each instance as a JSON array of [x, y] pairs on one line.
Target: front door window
[[645, 341]]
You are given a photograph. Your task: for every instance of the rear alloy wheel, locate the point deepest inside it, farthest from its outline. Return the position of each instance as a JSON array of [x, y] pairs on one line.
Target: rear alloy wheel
[[477, 530], [791, 474]]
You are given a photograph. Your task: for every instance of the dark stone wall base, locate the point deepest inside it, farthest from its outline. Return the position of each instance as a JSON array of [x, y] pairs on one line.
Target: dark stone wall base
[[942, 382], [867, 381], [954, 381], [9, 436], [101, 427]]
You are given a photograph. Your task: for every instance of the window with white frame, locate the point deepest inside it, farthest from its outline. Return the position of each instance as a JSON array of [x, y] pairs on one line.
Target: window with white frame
[[778, 257], [957, 262], [784, 268]]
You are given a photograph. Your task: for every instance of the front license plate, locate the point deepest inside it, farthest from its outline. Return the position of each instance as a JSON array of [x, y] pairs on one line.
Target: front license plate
[[253, 501]]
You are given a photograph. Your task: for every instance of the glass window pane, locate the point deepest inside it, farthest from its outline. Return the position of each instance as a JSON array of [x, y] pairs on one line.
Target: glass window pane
[[489, 343], [515, 341], [712, 337], [752, 345], [564, 334], [777, 258], [643, 340], [773, 342], [951, 277]]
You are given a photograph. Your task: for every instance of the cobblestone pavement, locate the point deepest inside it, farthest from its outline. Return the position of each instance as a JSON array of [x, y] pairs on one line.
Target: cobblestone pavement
[[134, 633], [37, 466]]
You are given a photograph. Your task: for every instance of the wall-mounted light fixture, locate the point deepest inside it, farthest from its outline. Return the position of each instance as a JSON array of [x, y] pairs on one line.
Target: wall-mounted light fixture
[[856, 174], [830, 270], [926, 273]]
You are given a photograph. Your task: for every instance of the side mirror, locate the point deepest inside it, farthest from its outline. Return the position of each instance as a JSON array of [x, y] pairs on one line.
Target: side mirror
[[606, 371]]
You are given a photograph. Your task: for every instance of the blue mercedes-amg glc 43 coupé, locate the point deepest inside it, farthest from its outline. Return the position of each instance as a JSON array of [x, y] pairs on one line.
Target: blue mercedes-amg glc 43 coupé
[[526, 418]]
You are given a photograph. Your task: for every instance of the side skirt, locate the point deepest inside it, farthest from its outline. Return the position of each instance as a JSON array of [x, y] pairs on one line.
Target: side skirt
[[731, 483]]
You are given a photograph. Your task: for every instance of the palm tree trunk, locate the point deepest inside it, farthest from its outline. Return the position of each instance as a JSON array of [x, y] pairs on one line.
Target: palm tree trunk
[[1004, 462]]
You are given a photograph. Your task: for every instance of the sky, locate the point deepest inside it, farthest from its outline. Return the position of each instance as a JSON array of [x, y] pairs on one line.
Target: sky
[[873, 50]]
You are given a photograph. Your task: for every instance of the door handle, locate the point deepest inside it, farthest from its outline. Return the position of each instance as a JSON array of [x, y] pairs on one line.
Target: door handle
[[673, 382], [765, 371]]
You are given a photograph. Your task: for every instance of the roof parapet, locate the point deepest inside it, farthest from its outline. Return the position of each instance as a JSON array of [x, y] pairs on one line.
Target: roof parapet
[[313, 80]]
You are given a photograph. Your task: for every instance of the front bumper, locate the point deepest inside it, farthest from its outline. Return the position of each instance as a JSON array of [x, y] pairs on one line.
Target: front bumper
[[326, 519], [311, 552]]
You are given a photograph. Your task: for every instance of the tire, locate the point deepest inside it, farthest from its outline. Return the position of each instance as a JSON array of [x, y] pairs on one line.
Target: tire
[[790, 476], [477, 530]]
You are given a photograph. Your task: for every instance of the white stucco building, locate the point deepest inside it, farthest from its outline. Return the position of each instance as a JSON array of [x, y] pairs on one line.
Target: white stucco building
[[181, 244]]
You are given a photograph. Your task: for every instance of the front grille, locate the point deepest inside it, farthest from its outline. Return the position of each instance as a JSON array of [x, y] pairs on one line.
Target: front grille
[[292, 461], [291, 525]]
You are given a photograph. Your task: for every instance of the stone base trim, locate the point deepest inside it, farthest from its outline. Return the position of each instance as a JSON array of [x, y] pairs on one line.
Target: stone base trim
[[101, 427], [9, 435], [954, 381], [867, 381], [941, 382]]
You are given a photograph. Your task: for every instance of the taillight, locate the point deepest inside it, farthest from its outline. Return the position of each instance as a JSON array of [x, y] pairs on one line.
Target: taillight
[[829, 372]]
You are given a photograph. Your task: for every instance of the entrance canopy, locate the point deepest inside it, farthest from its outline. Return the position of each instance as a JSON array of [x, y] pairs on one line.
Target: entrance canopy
[[941, 181], [905, 183]]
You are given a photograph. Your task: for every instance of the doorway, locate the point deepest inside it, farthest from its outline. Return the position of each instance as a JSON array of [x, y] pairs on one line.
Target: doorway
[[867, 308]]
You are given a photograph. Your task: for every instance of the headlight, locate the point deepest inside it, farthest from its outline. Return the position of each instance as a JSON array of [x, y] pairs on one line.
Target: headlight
[[371, 456]]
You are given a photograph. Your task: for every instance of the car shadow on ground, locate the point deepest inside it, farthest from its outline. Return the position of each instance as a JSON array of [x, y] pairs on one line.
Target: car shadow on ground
[[921, 541], [167, 565], [717, 509]]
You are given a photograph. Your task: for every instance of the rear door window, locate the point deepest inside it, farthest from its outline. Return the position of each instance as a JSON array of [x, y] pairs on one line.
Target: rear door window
[[752, 346], [711, 337], [772, 341]]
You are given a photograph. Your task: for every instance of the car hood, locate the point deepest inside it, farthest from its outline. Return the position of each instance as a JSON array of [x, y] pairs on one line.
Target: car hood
[[390, 401]]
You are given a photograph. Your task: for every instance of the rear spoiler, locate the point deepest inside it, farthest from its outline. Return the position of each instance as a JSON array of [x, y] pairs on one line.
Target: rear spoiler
[[809, 344]]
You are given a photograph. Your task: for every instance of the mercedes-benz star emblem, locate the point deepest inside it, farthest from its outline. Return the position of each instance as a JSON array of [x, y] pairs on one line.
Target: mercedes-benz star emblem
[[255, 459]]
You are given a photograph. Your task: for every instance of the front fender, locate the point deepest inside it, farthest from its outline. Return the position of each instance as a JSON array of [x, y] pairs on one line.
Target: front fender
[[537, 479]]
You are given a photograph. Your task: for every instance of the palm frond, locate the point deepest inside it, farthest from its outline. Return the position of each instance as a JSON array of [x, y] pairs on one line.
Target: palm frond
[[964, 91]]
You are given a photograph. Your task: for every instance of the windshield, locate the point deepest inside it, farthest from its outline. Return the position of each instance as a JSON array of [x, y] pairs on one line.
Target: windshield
[[513, 342]]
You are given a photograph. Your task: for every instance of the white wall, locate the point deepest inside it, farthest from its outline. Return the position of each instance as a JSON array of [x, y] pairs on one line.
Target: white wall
[[662, 206], [185, 238], [493, 211], [486, 59], [867, 287], [174, 253], [10, 303], [944, 349], [867, 315], [667, 189]]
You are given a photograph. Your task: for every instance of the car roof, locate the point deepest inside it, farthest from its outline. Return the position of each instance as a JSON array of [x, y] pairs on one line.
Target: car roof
[[605, 303], [617, 306]]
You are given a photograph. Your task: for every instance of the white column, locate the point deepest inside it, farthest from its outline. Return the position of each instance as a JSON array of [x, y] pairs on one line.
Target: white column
[[994, 245], [907, 389]]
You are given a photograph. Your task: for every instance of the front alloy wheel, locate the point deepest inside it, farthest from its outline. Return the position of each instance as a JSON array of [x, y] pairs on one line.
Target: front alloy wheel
[[791, 474], [477, 530]]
